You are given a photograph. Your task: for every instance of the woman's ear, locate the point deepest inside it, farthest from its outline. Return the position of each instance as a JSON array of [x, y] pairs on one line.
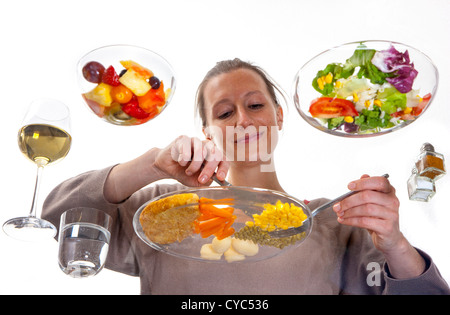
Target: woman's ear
[[280, 117]]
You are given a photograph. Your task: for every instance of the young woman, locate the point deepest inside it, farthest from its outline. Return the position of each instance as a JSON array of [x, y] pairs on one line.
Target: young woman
[[240, 111]]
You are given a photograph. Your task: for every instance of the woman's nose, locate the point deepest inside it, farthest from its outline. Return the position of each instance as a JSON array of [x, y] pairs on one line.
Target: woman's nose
[[243, 119]]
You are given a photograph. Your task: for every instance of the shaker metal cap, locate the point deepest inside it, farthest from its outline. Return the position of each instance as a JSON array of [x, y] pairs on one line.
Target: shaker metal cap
[[427, 147]]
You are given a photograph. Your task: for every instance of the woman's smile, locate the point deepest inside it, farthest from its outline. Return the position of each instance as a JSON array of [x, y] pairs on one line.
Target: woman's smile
[[249, 137]]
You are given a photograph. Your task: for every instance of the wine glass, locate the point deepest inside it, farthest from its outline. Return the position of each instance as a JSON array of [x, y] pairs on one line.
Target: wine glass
[[44, 139]]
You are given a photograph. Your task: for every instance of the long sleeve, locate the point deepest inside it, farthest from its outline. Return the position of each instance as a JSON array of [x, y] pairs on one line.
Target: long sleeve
[[85, 190], [430, 282], [364, 269], [366, 272]]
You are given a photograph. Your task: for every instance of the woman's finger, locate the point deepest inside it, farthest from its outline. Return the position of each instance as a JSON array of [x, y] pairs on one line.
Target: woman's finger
[[370, 210], [210, 161], [181, 150], [365, 197], [209, 151], [222, 170], [373, 224], [197, 157], [378, 183]]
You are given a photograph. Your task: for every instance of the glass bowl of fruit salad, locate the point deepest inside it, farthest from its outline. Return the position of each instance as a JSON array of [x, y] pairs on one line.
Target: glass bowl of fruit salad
[[125, 85], [365, 89]]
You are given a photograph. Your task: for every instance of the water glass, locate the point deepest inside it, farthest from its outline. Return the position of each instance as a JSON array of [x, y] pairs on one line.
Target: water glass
[[84, 237]]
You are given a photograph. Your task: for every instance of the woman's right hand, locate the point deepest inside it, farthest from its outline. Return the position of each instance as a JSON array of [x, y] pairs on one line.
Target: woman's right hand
[[191, 161]]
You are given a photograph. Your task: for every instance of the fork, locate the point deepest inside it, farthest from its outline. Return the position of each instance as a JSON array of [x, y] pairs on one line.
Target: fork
[[305, 224]]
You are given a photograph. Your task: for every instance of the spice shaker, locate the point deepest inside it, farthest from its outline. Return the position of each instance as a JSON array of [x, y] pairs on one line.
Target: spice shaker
[[430, 163], [420, 188]]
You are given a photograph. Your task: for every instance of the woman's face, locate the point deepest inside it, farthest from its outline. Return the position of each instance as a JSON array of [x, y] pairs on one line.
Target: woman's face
[[242, 119]]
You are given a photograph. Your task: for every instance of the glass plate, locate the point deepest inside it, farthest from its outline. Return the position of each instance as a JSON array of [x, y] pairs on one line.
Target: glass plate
[[304, 93], [111, 56], [246, 202]]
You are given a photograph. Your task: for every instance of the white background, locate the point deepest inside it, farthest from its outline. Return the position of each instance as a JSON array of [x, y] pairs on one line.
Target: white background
[[41, 42]]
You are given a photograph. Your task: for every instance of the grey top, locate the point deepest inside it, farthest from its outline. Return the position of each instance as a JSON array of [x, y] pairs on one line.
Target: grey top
[[335, 259]]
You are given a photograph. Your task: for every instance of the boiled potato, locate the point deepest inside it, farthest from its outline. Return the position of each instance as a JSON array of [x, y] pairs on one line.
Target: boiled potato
[[220, 246], [245, 247], [206, 252], [231, 255]]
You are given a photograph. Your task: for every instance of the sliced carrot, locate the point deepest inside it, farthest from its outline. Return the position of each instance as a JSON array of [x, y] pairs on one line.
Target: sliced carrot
[[215, 220], [206, 233], [196, 227], [205, 215], [213, 230], [227, 229], [230, 222], [208, 224], [225, 233], [225, 201], [220, 212]]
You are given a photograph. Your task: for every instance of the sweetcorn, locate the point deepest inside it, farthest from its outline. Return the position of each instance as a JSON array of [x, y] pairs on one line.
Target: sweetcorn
[[278, 216]]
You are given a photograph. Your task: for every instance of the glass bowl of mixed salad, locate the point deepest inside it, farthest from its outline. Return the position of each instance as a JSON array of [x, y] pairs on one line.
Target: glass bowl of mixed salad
[[365, 89], [125, 85]]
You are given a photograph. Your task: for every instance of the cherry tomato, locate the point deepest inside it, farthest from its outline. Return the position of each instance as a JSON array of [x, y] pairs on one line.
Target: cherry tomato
[[121, 94], [329, 107], [419, 108], [416, 111]]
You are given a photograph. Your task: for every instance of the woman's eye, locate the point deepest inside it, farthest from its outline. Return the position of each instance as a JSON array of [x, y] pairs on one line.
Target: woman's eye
[[256, 106], [224, 115]]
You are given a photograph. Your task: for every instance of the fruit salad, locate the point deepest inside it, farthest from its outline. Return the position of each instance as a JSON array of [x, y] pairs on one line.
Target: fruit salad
[[129, 96], [371, 91]]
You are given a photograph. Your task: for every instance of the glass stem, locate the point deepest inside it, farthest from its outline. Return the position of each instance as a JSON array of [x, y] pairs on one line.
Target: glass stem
[[36, 190]]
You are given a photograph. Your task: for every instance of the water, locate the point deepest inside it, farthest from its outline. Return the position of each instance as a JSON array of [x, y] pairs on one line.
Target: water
[[83, 249]]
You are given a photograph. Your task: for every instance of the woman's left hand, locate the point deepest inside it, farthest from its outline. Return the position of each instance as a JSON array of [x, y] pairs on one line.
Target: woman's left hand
[[374, 207]]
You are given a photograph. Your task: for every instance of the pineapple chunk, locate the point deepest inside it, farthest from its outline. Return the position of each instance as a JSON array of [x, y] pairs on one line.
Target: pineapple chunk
[[135, 82], [101, 94]]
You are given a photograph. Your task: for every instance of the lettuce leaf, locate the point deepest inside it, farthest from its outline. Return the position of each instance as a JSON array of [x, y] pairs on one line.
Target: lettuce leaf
[[338, 73], [362, 58], [334, 123], [392, 100]]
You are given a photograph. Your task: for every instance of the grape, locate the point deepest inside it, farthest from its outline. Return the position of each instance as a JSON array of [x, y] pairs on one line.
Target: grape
[[154, 82], [93, 71], [122, 72]]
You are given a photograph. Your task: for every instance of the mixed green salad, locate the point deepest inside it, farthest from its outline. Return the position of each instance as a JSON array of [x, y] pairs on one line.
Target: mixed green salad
[[371, 91]]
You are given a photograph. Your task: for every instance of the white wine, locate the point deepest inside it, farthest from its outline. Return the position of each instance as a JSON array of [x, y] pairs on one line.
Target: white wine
[[44, 144]]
